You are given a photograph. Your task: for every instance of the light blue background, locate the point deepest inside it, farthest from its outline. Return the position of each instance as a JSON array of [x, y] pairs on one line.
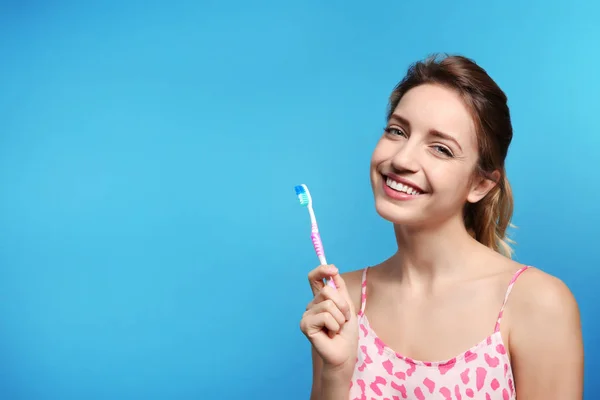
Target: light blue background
[[151, 244]]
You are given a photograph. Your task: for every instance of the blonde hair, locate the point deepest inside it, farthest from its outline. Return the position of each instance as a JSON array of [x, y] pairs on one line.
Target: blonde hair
[[488, 219]]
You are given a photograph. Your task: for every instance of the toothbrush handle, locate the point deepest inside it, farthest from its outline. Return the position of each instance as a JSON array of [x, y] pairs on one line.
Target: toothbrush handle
[[331, 283], [318, 245]]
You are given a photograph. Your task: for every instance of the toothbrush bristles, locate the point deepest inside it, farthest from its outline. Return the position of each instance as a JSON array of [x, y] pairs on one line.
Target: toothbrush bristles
[[302, 195]]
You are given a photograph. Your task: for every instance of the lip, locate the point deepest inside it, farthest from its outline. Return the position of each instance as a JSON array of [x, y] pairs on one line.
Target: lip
[[403, 181]]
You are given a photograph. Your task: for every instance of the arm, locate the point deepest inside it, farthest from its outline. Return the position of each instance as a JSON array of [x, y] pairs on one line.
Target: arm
[[317, 364], [546, 345], [326, 384]]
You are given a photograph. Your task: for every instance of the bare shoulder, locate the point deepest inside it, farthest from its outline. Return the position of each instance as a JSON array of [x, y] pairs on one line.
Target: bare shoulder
[[543, 318], [353, 282], [544, 337], [542, 329], [537, 293]]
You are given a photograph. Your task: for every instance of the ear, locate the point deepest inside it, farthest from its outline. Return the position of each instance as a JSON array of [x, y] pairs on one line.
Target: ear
[[482, 186]]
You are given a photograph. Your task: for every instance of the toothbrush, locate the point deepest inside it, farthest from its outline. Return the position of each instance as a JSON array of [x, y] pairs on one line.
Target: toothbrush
[[306, 200]]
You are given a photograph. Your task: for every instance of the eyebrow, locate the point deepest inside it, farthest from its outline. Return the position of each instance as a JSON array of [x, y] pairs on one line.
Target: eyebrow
[[432, 132]]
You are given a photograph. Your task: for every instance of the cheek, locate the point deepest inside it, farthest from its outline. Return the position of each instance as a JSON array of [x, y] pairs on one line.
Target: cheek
[[380, 154], [452, 182]]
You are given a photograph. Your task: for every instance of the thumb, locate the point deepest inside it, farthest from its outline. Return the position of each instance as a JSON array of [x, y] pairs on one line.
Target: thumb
[[316, 276]]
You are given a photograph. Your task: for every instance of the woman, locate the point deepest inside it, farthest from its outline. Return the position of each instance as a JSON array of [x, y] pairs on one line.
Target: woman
[[450, 315]]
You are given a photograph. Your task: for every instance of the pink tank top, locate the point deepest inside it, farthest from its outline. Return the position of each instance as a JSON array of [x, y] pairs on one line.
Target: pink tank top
[[482, 372]]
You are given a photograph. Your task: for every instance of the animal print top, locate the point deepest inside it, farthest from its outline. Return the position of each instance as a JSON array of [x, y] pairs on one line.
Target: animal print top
[[483, 372]]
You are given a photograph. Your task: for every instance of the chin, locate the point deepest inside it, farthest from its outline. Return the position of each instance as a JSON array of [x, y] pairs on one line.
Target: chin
[[396, 214]]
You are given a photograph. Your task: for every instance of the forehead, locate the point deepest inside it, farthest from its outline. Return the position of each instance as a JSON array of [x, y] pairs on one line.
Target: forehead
[[434, 107]]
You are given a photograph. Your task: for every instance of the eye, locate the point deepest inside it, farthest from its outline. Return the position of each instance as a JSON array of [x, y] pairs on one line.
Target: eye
[[392, 130], [443, 150]]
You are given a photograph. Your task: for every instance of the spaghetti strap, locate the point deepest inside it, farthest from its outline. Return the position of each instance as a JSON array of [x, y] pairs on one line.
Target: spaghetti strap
[[363, 292], [508, 290]]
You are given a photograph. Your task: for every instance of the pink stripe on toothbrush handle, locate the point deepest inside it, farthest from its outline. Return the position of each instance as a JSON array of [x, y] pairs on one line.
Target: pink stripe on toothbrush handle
[[318, 244]]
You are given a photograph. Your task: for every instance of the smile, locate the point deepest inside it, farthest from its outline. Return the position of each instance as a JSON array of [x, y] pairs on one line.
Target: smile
[[404, 189], [399, 187]]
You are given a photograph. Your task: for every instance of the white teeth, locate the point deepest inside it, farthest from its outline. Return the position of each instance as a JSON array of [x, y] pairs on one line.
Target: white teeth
[[399, 187]]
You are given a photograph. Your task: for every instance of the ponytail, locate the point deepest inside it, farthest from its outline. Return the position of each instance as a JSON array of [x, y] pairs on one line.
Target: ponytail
[[488, 220]]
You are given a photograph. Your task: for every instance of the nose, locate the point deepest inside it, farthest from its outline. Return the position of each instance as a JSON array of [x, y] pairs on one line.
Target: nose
[[406, 157]]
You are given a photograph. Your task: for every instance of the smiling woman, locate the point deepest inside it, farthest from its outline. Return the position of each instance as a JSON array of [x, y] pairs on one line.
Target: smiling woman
[[438, 175]]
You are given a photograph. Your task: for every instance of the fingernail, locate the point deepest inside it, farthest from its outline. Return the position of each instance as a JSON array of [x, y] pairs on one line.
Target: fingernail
[[333, 269]]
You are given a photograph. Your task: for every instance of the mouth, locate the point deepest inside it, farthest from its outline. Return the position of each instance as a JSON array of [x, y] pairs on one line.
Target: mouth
[[402, 186]]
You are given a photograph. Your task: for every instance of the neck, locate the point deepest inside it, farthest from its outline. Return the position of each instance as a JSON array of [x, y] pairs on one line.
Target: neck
[[429, 254]]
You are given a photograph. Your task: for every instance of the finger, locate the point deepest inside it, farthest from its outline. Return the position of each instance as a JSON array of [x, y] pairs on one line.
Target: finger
[[316, 276], [328, 293], [330, 307], [342, 289], [326, 320], [312, 325]]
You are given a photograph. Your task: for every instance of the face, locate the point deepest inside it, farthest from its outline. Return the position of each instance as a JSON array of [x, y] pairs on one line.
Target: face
[[422, 169]]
